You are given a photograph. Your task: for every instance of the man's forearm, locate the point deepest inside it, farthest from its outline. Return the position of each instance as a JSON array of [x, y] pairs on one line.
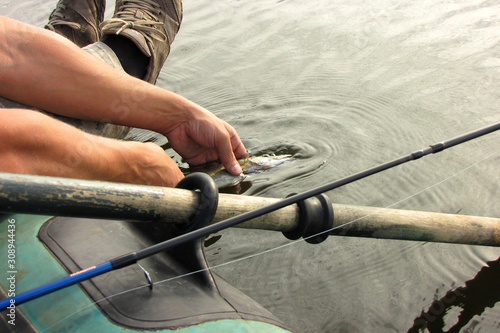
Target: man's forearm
[[34, 143], [42, 69]]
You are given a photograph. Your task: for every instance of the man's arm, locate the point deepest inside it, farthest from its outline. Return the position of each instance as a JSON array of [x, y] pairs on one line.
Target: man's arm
[[42, 69], [34, 143]]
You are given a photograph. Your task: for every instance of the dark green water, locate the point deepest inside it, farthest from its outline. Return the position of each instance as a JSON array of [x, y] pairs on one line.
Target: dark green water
[[344, 86]]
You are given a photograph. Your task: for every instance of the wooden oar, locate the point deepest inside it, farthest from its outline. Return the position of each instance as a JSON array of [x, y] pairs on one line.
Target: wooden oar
[[81, 198]]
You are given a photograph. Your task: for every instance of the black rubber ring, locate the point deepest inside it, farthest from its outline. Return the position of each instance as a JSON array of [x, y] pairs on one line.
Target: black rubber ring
[[321, 228], [209, 200], [303, 221]]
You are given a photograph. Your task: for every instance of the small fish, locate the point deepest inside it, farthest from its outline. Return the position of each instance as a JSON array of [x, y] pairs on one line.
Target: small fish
[[249, 165], [223, 178], [264, 162]]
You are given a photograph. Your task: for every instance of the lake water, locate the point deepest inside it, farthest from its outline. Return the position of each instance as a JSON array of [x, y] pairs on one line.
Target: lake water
[[344, 86]]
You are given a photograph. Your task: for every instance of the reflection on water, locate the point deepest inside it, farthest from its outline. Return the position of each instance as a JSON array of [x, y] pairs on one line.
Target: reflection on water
[[459, 306], [343, 86]]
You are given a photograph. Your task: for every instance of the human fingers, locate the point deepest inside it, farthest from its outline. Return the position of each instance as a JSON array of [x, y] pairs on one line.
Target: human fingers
[[228, 159], [172, 176], [239, 148], [231, 150], [169, 173]]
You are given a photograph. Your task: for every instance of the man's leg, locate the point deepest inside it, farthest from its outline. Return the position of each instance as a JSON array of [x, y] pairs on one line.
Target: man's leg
[[141, 32], [150, 25], [133, 61], [78, 21]]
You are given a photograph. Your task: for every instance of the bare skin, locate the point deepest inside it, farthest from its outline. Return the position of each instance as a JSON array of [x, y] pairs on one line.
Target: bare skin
[[43, 69], [40, 139]]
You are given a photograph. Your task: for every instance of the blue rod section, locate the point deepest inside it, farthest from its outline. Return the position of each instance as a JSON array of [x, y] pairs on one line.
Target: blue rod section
[[56, 285]]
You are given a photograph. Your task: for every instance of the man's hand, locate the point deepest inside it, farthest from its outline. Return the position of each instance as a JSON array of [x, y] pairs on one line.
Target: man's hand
[[148, 164], [205, 138]]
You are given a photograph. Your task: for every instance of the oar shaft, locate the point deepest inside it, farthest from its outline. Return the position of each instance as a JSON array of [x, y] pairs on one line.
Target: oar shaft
[[31, 194], [373, 222], [415, 225], [381, 223], [69, 197]]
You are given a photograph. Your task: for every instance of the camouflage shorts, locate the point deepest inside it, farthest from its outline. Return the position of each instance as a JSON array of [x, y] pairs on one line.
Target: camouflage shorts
[[103, 52]]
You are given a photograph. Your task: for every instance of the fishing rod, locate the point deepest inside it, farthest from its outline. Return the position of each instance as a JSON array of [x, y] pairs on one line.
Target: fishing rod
[[133, 257]]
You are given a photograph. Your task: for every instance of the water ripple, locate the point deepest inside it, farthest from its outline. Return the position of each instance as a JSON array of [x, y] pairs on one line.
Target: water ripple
[[343, 86]]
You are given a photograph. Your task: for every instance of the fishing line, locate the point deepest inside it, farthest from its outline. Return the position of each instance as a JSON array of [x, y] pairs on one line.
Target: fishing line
[[280, 246], [133, 257], [412, 195]]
